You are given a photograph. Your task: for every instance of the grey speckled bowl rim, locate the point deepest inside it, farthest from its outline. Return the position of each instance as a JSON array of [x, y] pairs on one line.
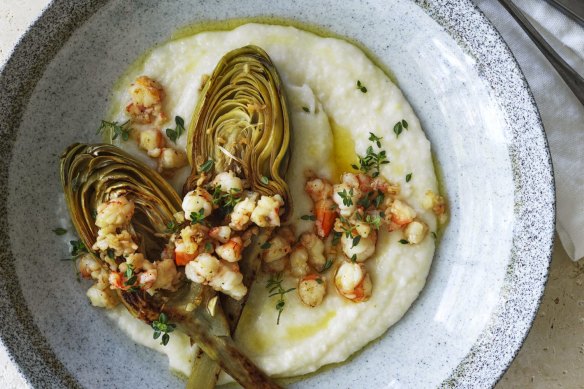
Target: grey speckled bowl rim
[[533, 235]]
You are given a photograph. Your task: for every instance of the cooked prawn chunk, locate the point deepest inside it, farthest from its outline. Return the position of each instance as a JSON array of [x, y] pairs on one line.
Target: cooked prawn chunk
[[267, 211], [122, 244], [102, 298], [167, 275], [416, 231], [221, 233], [353, 282], [312, 289], [88, 266], [171, 158], [147, 278], [151, 139], [207, 269], [114, 213], [231, 250], [146, 101], [437, 204], [361, 251], [315, 248], [197, 200], [363, 229], [401, 213], [278, 247], [277, 266], [318, 189], [228, 182], [241, 215], [299, 261], [346, 198]]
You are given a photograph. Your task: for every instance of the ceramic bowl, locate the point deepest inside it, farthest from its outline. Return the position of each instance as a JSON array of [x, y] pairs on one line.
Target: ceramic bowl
[[474, 104]]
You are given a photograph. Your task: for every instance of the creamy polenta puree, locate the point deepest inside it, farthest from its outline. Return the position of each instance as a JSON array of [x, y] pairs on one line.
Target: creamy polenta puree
[[336, 96]]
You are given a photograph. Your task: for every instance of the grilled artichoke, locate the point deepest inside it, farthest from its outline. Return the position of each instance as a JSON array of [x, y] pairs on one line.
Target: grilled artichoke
[[241, 123], [92, 174]]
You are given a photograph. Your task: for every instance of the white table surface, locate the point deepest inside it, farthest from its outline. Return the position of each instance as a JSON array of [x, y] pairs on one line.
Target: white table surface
[[551, 357]]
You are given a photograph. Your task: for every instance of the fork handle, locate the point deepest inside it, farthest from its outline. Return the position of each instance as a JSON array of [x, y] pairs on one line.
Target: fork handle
[[574, 81]]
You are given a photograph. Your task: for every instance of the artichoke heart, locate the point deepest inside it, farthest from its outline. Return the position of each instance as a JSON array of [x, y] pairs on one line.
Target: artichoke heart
[[241, 123]]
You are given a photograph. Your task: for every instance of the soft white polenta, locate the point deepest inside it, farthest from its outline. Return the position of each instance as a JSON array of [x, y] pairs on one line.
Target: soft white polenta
[[320, 74]]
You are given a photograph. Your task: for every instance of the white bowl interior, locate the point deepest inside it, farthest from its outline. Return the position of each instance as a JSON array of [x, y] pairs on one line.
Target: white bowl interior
[[456, 108]]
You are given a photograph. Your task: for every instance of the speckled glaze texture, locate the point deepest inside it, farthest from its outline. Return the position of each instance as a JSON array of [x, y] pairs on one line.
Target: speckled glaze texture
[[472, 100]]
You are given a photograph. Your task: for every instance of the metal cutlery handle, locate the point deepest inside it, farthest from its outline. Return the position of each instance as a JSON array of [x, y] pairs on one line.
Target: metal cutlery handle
[[574, 81]]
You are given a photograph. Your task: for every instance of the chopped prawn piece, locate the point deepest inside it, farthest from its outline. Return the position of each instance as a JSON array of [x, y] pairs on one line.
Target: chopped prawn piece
[[299, 261], [321, 192], [353, 282], [241, 215], [146, 104], [362, 250], [401, 213], [170, 158], [267, 211], [197, 201], [312, 289], [221, 233], [416, 231], [231, 250], [278, 248], [315, 248], [222, 277]]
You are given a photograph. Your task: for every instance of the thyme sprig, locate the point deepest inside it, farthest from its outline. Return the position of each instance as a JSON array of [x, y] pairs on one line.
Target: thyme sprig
[[162, 327], [274, 286], [122, 130]]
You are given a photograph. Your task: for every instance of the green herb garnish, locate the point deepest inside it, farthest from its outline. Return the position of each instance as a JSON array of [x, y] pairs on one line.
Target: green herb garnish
[[179, 129], [361, 87], [374, 221], [172, 227], [403, 241], [77, 248], [336, 238], [408, 177], [347, 197], [265, 180], [376, 139], [198, 217], [399, 127], [205, 167], [162, 327], [122, 130], [305, 109], [266, 245], [60, 231], [327, 265], [356, 240], [354, 258], [372, 161], [379, 199], [274, 286], [226, 200], [308, 217]]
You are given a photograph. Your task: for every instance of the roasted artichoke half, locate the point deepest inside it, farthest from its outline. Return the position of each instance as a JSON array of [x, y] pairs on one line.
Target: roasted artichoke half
[[92, 174], [241, 123]]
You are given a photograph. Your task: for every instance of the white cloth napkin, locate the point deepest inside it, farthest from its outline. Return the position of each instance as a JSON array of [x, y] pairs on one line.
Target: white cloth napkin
[[561, 112]]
